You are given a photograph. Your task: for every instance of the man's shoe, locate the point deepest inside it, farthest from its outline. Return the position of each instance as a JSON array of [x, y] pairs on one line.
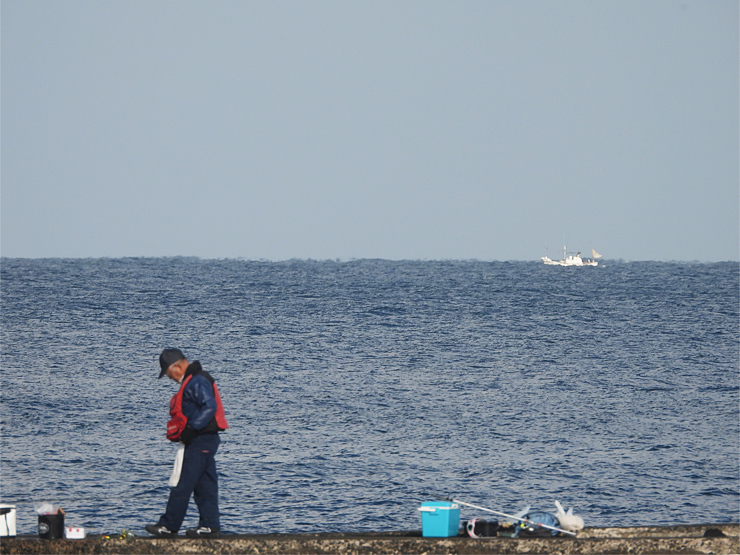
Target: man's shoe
[[204, 532], [159, 531]]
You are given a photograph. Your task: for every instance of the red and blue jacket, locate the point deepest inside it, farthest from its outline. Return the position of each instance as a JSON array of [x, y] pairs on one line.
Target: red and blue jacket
[[196, 408]]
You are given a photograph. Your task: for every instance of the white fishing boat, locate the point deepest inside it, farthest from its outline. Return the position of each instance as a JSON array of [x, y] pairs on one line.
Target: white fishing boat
[[573, 259]]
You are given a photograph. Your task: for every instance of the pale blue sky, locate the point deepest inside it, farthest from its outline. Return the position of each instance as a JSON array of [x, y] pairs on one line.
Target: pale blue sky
[[386, 129]]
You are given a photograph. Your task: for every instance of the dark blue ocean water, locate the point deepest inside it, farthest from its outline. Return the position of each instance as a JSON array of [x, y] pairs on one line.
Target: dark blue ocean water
[[357, 390]]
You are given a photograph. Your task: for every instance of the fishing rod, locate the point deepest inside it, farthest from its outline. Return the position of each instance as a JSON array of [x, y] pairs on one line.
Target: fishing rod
[[511, 516]]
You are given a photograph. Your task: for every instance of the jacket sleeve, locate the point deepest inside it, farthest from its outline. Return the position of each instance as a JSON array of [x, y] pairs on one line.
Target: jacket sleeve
[[199, 399]]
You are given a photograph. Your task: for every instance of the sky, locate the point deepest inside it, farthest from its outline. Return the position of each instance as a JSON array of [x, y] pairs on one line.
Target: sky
[[403, 129]]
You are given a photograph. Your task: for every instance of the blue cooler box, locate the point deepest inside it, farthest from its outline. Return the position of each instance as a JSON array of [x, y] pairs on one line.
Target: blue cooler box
[[439, 519]]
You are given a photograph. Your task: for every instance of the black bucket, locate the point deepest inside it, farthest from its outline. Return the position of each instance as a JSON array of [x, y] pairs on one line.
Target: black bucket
[[51, 527]]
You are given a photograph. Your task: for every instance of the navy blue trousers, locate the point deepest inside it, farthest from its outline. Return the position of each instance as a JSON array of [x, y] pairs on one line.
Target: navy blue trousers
[[199, 479]]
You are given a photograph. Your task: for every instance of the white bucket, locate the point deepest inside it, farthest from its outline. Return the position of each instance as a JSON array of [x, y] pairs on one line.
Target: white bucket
[[74, 533], [7, 520]]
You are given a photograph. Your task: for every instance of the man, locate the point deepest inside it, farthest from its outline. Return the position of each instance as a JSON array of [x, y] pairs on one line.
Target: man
[[196, 417]]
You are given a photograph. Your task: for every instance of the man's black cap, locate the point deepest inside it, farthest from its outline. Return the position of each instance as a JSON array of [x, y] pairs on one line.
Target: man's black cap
[[168, 358]]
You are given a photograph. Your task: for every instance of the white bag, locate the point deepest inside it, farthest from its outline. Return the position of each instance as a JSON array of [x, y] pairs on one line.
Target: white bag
[[175, 478]]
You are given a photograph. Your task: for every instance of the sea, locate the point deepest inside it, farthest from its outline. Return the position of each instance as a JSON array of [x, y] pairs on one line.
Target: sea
[[355, 390]]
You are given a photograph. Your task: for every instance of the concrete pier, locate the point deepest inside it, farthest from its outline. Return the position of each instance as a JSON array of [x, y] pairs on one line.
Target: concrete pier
[[710, 539]]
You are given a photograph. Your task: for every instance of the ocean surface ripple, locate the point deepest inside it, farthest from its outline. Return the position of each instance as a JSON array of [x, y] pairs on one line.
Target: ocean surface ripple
[[357, 390]]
